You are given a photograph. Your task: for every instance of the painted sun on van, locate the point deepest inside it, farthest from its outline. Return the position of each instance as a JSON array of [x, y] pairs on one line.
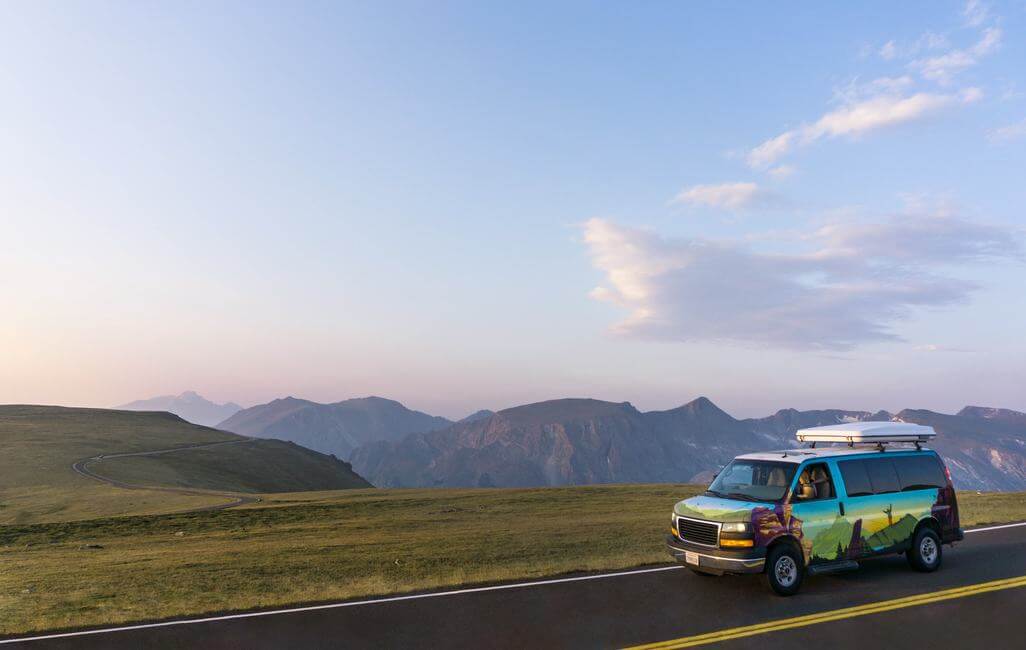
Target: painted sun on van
[[856, 491]]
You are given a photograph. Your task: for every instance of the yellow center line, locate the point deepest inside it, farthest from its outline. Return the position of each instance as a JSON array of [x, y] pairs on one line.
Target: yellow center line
[[834, 615]]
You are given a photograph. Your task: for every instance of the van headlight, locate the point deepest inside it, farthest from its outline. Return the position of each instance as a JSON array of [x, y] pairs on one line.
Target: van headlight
[[736, 527]]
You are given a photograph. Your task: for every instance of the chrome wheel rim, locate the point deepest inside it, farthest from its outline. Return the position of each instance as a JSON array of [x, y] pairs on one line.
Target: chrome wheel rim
[[928, 550], [786, 571]]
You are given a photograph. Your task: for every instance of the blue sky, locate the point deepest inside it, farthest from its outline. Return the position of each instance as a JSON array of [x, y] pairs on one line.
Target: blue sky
[[469, 205]]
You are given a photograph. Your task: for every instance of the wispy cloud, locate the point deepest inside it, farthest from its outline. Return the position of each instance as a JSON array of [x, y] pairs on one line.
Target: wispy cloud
[[729, 196], [855, 119], [849, 284], [889, 50], [975, 13], [891, 100], [943, 67], [856, 91], [781, 171], [934, 347], [1009, 132], [894, 49]]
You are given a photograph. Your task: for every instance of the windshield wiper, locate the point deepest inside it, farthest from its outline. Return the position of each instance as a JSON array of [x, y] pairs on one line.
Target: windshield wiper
[[716, 494], [741, 495]]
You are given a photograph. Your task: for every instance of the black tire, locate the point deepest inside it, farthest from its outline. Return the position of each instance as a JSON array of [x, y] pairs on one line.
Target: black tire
[[785, 570], [925, 553]]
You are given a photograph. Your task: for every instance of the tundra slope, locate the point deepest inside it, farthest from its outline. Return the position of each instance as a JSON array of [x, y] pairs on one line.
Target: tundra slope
[[50, 455]]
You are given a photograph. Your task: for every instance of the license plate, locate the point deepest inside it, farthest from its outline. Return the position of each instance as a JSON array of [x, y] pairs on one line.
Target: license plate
[[690, 557]]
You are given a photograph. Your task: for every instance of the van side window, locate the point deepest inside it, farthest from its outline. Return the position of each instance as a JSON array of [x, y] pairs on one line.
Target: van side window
[[856, 478], [882, 475], [920, 472]]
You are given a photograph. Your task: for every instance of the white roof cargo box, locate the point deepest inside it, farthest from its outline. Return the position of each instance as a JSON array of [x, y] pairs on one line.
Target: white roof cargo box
[[867, 433]]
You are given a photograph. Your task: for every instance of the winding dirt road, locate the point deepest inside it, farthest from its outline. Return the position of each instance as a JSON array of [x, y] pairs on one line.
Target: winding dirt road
[[82, 467]]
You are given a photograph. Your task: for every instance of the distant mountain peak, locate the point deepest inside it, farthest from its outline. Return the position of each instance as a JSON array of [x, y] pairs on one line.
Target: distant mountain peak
[[373, 400], [336, 428], [988, 412], [188, 405], [703, 407], [483, 414]]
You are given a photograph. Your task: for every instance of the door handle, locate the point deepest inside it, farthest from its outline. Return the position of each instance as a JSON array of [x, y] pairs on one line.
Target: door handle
[[840, 507]]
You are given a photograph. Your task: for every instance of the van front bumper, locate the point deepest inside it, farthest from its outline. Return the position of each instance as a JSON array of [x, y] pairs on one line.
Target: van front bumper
[[717, 560]]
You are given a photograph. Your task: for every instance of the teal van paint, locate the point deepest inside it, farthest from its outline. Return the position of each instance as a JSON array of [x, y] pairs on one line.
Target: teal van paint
[[842, 527]]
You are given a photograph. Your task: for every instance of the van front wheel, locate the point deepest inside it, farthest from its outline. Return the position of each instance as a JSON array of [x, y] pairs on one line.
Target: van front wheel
[[925, 553], [785, 569]]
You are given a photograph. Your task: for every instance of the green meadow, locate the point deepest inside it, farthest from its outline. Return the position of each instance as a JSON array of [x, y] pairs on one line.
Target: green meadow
[[39, 444], [321, 546]]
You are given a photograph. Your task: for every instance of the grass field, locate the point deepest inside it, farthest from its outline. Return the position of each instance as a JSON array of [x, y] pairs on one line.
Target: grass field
[[249, 467], [304, 547], [38, 445]]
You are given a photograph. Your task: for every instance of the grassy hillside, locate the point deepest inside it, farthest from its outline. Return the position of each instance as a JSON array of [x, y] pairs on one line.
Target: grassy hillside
[[304, 547], [251, 466], [38, 445]]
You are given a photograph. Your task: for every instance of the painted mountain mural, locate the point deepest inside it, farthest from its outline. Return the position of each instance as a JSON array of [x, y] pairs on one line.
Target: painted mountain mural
[[583, 441], [894, 534], [833, 542]]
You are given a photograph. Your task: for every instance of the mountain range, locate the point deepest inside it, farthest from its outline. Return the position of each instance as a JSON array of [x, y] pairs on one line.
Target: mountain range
[[584, 441], [189, 406], [336, 428]]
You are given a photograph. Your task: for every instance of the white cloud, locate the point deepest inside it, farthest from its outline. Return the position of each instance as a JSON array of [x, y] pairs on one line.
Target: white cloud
[[893, 49], [772, 150], [877, 113], [943, 67], [856, 91], [848, 285], [887, 101], [975, 13], [730, 196], [934, 347], [856, 118], [1009, 132], [781, 171]]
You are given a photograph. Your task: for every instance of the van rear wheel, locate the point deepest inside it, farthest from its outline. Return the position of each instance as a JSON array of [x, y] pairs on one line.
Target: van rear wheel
[[785, 569], [925, 552]]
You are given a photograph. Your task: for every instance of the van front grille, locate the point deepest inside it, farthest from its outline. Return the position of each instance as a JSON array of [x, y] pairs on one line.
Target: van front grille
[[698, 532]]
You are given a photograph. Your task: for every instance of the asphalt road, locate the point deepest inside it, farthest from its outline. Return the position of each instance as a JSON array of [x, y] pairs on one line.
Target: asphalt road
[[84, 468], [644, 607]]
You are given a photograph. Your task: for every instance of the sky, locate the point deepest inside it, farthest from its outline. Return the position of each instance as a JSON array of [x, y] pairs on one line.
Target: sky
[[468, 205]]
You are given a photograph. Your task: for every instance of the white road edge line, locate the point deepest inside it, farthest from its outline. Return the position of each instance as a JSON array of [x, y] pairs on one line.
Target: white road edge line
[[373, 601], [981, 530], [391, 599]]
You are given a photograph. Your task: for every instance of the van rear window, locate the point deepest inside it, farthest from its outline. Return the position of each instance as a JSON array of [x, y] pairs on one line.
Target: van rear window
[[882, 475], [920, 472], [856, 479], [869, 476]]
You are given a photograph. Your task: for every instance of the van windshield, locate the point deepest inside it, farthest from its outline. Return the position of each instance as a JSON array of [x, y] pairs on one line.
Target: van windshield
[[753, 480]]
